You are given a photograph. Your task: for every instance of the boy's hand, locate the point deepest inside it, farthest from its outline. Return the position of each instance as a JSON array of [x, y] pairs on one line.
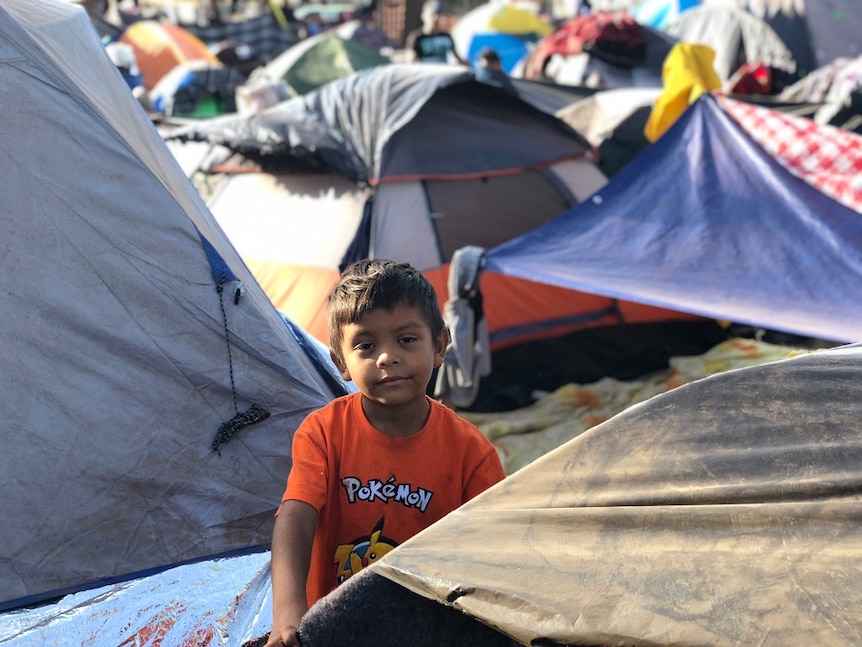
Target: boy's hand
[[284, 637], [285, 630]]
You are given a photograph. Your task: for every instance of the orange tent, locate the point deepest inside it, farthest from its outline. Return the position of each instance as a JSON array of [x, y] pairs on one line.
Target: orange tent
[[160, 46]]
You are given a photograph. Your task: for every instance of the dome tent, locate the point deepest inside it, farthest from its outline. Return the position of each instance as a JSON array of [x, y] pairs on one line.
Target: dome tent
[[134, 336], [412, 162], [317, 60]]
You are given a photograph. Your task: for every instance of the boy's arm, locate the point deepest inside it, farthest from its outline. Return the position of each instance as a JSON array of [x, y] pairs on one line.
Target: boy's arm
[[292, 538]]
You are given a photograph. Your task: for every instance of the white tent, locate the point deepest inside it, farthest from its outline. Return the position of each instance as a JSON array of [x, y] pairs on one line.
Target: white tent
[[133, 333]]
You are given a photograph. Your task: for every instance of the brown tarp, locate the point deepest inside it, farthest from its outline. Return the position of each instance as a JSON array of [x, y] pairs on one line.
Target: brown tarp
[[724, 512]]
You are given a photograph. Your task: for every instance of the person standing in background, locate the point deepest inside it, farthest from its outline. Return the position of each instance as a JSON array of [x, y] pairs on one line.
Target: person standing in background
[[432, 42]]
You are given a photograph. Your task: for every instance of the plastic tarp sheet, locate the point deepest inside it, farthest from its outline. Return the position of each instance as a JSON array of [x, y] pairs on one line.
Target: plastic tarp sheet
[[217, 602], [705, 221], [724, 512], [121, 360]]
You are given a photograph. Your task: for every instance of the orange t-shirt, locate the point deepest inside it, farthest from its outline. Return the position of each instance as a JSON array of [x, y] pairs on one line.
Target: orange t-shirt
[[371, 491]]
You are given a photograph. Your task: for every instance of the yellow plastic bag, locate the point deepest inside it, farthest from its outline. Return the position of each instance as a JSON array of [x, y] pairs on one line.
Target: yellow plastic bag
[[687, 73]]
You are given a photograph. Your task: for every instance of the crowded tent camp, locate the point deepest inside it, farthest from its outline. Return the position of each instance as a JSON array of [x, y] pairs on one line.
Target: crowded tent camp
[[431, 322]]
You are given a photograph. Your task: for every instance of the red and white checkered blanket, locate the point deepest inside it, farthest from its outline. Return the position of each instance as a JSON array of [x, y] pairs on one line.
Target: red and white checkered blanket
[[828, 158]]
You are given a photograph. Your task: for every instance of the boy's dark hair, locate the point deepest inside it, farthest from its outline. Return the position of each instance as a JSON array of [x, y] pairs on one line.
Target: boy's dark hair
[[377, 283]]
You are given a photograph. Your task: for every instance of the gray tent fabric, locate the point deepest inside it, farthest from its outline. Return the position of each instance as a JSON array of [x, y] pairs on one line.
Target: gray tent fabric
[[737, 36], [383, 614], [468, 357], [325, 127], [816, 32], [396, 121], [549, 96], [727, 511], [132, 332]]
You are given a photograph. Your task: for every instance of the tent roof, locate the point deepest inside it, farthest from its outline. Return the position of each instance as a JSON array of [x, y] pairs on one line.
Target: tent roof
[[720, 229], [724, 512], [550, 96], [121, 360], [398, 121]]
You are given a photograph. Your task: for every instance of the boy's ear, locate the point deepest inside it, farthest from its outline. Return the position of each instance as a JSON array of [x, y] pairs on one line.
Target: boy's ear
[[440, 347], [341, 366]]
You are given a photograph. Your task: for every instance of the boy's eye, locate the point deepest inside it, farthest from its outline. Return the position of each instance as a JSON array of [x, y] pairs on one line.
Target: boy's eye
[[406, 339], [364, 346]]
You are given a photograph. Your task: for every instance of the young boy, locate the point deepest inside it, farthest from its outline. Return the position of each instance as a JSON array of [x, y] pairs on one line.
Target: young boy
[[373, 468]]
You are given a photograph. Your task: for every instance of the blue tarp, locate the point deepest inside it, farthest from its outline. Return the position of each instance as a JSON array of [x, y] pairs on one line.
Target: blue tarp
[[704, 221]]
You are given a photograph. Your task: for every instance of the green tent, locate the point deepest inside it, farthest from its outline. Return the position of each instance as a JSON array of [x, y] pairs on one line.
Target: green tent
[[318, 60]]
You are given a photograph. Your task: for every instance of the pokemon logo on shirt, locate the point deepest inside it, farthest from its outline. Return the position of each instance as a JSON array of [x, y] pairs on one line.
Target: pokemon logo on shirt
[[386, 491], [361, 552]]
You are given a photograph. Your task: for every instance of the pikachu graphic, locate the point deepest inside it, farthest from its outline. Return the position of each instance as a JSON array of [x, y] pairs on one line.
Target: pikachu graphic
[[353, 557]]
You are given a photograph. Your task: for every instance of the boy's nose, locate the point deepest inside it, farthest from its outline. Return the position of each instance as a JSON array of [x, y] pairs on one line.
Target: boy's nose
[[387, 358]]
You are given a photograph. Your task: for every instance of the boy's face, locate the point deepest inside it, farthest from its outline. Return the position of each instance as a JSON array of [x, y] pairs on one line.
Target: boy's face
[[390, 355]]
